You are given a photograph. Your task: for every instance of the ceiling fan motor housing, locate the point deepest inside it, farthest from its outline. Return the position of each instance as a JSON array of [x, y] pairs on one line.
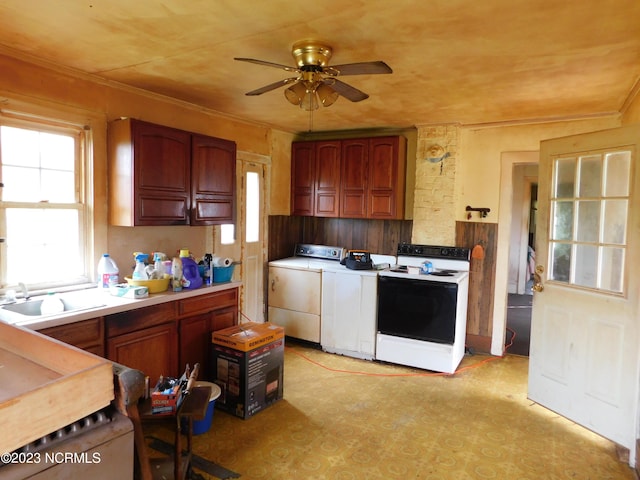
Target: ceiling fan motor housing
[[309, 53]]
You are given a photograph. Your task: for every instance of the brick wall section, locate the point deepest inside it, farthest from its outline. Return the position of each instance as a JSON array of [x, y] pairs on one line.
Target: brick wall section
[[434, 216]]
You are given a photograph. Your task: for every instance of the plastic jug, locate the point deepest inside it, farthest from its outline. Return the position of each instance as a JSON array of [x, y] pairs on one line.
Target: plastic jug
[[191, 274], [107, 272]]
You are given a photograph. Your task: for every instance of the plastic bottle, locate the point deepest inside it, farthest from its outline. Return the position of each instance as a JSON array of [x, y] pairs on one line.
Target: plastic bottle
[[51, 304], [176, 274], [159, 264], [139, 273], [107, 272]]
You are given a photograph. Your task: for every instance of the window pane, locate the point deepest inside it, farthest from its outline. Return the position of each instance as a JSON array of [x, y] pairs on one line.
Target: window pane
[[38, 239], [253, 207], [564, 180], [617, 172], [612, 268], [588, 227], [37, 166], [58, 186], [615, 221], [56, 151], [227, 233], [560, 262], [21, 184], [562, 226], [586, 268], [20, 147], [590, 176]]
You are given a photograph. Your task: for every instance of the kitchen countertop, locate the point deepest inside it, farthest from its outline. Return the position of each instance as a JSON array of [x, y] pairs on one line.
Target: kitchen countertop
[[110, 304]]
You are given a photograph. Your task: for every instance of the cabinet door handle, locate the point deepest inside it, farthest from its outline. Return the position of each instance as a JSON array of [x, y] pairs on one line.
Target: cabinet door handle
[[273, 284]]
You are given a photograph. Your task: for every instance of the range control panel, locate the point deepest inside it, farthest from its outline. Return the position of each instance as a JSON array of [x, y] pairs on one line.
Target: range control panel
[[434, 251], [324, 252]]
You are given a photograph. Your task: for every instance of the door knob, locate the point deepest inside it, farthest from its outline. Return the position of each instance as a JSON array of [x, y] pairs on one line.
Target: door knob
[[537, 279]]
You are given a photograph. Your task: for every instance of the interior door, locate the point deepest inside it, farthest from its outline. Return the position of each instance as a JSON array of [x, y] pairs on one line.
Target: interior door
[[584, 338]]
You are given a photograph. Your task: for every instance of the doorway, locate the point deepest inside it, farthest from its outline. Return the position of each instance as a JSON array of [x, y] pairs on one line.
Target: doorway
[[521, 254]]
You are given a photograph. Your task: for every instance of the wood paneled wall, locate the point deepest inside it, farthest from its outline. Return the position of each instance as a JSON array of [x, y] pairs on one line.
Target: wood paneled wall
[[377, 236], [481, 281]]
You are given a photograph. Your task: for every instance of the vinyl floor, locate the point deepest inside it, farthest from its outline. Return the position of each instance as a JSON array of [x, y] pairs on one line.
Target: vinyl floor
[[347, 419]]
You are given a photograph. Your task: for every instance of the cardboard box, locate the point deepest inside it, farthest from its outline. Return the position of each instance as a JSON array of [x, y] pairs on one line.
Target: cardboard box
[[249, 367]]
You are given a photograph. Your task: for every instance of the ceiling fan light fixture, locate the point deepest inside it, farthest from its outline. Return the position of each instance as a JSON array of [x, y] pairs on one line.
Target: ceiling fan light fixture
[[326, 95], [310, 101], [295, 93]]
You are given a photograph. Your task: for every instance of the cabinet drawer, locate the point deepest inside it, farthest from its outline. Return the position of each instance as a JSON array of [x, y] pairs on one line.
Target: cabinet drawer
[[140, 318], [79, 334], [208, 303]]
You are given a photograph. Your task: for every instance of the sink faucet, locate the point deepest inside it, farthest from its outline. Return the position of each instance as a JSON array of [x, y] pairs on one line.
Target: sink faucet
[[25, 291]]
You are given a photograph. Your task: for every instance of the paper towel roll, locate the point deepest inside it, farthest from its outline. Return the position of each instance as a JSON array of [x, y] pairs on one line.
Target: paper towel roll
[[221, 261]]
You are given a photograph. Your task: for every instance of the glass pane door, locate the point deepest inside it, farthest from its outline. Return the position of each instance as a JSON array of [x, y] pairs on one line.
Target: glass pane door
[[588, 224]]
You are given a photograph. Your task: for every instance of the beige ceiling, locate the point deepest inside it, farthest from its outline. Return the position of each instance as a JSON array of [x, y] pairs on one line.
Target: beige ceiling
[[453, 61]]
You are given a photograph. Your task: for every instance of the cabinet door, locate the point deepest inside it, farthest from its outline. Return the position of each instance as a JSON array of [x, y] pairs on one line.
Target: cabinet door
[[353, 190], [150, 350], [195, 343], [162, 174], [195, 338], [303, 171], [87, 335], [224, 318], [213, 180], [386, 178], [327, 179]]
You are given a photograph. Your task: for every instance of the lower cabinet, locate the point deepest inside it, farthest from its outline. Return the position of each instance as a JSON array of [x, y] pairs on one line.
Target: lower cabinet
[[162, 339], [195, 338], [219, 311], [87, 335], [151, 350]]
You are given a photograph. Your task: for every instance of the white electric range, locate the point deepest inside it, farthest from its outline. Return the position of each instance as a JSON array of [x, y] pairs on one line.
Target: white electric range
[[422, 317]]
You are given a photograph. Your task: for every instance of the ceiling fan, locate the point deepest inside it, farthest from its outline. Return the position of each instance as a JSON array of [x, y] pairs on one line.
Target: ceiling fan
[[316, 82]]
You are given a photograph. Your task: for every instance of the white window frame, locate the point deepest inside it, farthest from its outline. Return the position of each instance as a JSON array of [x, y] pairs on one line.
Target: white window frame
[[83, 186]]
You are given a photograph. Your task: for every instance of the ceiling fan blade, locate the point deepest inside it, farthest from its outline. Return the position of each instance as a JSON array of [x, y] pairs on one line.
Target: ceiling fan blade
[[271, 86], [363, 68], [267, 64], [348, 92]]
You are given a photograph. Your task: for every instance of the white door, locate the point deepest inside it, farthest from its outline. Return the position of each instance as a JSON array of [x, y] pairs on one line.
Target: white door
[[253, 245], [584, 338]]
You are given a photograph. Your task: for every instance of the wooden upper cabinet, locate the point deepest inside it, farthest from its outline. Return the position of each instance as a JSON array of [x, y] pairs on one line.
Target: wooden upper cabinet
[[149, 174], [353, 178], [353, 200], [327, 185], [386, 180], [315, 178], [165, 176], [303, 171], [213, 180]]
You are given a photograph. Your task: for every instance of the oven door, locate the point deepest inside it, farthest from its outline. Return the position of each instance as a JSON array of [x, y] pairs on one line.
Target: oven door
[[418, 309]]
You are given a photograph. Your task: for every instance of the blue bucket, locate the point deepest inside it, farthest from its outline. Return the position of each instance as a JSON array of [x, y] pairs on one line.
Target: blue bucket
[[222, 274], [203, 426]]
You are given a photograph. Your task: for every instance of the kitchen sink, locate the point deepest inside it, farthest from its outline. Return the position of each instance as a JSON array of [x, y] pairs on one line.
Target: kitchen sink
[[29, 309]]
